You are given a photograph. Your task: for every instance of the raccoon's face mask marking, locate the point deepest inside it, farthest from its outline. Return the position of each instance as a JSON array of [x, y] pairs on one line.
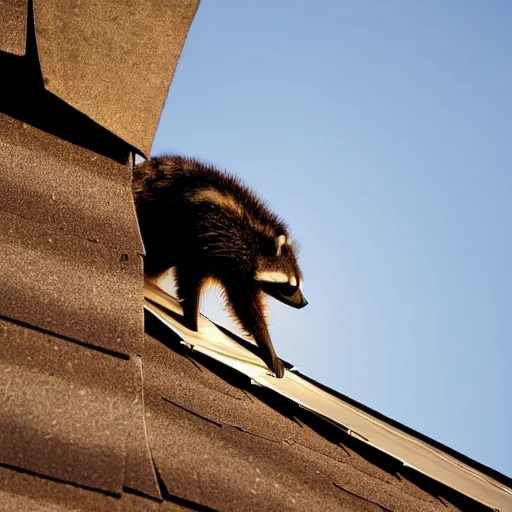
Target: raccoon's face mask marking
[[279, 275], [272, 276]]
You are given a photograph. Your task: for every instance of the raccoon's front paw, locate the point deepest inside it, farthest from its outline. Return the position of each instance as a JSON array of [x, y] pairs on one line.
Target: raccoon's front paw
[[277, 367], [190, 324]]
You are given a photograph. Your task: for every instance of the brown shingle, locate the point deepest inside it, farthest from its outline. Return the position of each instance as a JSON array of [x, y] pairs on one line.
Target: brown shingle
[[74, 190], [14, 26], [22, 492], [66, 285], [64, 409], [70, 240], [113, 61]]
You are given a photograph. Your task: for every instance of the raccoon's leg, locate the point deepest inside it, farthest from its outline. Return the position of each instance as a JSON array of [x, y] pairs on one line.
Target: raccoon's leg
[[189, 283], [246, 302]]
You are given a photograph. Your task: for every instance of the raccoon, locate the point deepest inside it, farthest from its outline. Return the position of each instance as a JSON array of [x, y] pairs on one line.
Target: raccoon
[[208, 226]]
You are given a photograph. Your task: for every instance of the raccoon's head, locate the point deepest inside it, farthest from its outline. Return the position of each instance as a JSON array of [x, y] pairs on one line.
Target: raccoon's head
[[278, 272]]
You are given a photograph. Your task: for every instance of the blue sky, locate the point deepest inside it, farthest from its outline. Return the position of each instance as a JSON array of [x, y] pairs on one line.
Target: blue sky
[[382, 133]]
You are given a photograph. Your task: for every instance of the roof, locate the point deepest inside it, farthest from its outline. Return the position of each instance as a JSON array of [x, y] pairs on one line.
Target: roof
[[180, 426], [110, 62], [105, 407], [408, 449]]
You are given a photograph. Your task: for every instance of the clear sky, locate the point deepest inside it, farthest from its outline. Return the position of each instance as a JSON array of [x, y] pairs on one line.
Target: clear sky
[[382, 133]]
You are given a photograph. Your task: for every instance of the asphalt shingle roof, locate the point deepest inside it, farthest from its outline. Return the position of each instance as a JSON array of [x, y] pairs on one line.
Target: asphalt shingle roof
[[95, 413]]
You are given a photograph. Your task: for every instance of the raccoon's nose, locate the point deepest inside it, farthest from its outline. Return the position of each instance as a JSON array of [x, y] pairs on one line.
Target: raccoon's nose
[[297, 300]]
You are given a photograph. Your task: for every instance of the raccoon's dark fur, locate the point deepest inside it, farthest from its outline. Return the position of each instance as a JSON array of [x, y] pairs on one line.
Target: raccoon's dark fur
[[209, 226]]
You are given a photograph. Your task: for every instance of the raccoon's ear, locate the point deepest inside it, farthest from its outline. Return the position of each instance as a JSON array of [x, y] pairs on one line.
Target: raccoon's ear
[[280, 241]]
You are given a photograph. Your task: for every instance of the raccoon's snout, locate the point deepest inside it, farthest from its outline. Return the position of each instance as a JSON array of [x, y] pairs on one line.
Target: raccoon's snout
[[293, 297], [289, 295]]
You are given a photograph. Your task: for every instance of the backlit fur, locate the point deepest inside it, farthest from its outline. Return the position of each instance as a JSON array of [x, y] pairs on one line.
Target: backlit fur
[[209, 226]]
